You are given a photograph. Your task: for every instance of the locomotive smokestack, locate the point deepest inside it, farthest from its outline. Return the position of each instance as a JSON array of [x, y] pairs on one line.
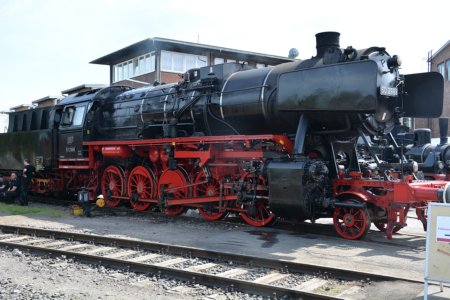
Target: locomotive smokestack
[[443, 130], [325, 40]]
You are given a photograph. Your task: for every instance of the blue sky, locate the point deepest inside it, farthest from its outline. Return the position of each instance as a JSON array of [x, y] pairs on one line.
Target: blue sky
[[46, 45]]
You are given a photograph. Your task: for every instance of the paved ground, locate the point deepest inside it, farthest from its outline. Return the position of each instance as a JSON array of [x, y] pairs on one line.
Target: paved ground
[[402, 257]]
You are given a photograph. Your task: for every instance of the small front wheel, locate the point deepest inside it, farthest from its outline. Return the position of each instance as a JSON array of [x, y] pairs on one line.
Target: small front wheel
[[351, 223]]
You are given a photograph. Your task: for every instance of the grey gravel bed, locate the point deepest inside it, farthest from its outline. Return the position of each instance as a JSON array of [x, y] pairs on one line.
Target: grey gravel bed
[[223, 266], [293, 280], [11, 290], [62, 278]]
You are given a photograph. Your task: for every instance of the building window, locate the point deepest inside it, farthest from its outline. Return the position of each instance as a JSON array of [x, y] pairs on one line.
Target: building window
[[260, 66], [137, 66], [181, 62], [447, 66], [149, 63], [191, 62], [166, 60], [441, 69], [231, 60], [125, 70], [218, 60], [130, 69], [178, 62]]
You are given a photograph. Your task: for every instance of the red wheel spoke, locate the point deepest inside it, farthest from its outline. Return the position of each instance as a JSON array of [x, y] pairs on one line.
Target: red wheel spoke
[[141, 185], [112, 185], [351, 223], [169, 180], [210, 211], [262, 215]]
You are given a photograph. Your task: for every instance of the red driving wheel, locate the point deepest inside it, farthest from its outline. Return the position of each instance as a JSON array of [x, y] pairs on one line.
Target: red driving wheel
[[112, 185], [256, 212], [141, 185], [168, 183], [208, 188]]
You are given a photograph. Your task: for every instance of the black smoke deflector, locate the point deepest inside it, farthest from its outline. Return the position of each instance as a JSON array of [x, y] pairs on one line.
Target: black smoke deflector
[[423, 95]]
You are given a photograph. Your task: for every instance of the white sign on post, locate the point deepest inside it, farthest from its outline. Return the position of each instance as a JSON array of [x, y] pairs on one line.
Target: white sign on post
[[437, 259]]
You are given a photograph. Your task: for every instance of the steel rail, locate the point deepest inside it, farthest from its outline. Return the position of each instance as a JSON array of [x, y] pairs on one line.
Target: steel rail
[[184, 275], [202, 253], [180, 274]]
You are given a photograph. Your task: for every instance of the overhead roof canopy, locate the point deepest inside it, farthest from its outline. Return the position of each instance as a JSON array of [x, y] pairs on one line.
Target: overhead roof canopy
[[45, 99], [82, 88], [152, 44], [20, 107]]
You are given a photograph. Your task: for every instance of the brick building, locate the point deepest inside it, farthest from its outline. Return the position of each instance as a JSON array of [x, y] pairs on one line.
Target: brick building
[[162, 60], [439, 62]]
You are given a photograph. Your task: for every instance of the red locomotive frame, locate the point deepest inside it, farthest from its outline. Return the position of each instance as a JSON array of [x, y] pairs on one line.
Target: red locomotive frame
[[186, 185], [387, 202], [211, 172]]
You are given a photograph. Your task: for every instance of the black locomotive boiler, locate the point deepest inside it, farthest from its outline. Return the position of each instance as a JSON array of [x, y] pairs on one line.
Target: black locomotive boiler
[[278, 141]]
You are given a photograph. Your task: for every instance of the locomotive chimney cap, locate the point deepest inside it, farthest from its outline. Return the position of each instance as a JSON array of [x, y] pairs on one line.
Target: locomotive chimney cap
[[325, 40]]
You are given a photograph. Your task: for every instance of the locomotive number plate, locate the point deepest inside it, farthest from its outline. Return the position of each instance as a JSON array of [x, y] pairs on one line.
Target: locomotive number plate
[[388, 91]]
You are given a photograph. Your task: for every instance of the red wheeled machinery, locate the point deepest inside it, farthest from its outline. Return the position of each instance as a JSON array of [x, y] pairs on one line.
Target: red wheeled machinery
[[384, 202], [231, 174], [216, 175]]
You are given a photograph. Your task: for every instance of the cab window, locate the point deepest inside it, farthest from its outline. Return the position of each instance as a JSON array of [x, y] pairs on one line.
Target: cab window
[[73, 116], [78, 116]]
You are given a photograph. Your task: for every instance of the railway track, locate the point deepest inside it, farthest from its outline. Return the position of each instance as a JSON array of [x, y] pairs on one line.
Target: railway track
[[253, 275]]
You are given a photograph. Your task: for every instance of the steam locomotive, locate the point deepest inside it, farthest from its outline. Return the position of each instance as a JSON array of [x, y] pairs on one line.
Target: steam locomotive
[[433, 159], [278, 141]]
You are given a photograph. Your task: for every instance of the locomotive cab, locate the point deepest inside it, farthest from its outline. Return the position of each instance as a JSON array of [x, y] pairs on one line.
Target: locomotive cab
[[81, 117], [69, 118], [71, 130]]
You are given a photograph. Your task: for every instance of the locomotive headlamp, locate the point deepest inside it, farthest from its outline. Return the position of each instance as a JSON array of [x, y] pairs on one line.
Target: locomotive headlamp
[[415, 167], [394, 61], [440, 165]]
